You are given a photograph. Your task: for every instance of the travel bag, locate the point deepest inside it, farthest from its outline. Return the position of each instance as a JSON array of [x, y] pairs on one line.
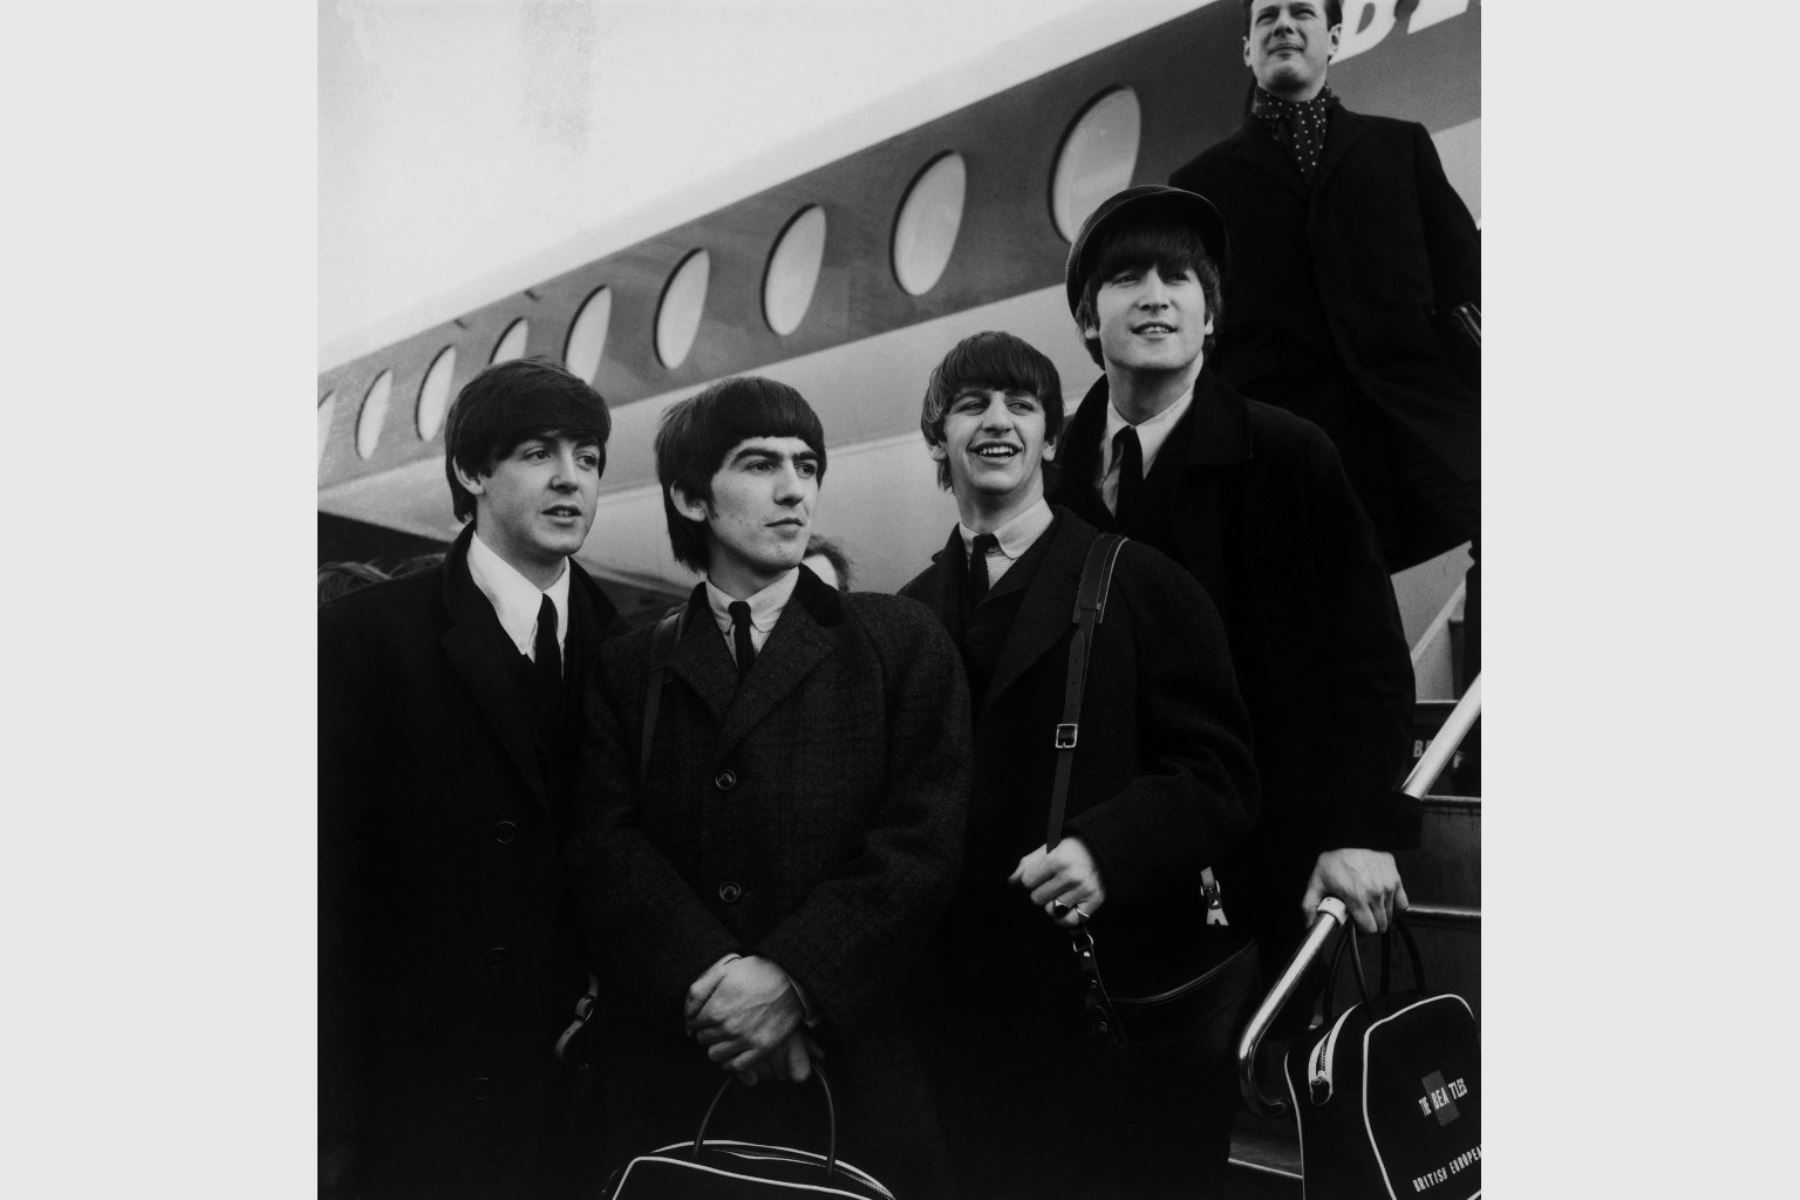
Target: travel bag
[[1388, 1094], [722, 1169]]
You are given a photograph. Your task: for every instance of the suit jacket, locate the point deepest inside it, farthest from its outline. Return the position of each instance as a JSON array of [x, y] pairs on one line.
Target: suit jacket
[[1335, 289], [814, 816], [1254, 503], [443, 981], [1163, 783]]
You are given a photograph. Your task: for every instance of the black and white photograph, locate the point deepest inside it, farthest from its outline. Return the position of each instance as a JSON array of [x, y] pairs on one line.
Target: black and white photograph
[[1202, 292], [898, 604]]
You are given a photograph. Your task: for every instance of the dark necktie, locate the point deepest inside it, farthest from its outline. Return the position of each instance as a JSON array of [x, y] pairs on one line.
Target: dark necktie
[[740, 637], [984, 544], [546, 657], [1129, 454]]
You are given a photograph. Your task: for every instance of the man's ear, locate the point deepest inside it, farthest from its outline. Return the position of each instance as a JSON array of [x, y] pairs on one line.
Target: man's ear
[[1050, 448], [474, 484], [691, 507], [937, 451], [1335, 33], [1247, 50]]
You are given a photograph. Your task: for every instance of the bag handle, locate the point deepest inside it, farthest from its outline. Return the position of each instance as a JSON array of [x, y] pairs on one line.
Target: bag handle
[[1397, 925], [830, 1119]]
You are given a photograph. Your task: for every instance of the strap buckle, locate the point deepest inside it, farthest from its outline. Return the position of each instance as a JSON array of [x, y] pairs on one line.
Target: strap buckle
[[1065, 735]]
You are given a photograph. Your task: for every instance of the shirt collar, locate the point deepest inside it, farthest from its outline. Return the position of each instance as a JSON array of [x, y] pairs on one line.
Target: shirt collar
[[515, 598], [1152, 432], [765, 606], [1018, 534]]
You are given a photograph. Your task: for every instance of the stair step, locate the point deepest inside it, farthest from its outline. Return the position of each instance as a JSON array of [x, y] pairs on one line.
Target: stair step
[[1446, 868], [1265, 1159]]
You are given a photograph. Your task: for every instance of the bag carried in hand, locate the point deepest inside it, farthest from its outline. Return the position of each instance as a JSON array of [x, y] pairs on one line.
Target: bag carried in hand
[[1388, 1095], [1200, 1013], [729, 1170]]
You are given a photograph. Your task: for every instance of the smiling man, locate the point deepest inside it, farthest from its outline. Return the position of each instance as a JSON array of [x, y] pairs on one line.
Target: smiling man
[[1162, 786], [1351, 251], [761, 876], [448, 716], [1254, 503]]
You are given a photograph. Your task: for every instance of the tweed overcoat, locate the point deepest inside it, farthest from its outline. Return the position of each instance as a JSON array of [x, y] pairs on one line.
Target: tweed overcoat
[[1254, 503], [443, 976], [814, 816], [1336, 286], [1163, 781]]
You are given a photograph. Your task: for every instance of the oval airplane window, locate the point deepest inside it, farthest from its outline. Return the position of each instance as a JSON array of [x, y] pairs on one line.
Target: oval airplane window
[[327, 410], [373, 414], [434, 393], [512, 343], [794, 270], [925, 231], [678, 316], [587, 336], [1097, 157]]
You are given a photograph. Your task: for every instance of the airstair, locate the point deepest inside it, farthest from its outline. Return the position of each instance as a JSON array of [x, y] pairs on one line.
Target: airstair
[[1443, 887]]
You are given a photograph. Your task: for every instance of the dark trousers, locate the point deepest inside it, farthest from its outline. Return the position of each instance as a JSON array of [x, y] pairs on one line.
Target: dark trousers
[[1071, 1118]]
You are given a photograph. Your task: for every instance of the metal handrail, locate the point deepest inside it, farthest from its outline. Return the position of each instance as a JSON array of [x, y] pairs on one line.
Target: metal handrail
[[1332, 913]]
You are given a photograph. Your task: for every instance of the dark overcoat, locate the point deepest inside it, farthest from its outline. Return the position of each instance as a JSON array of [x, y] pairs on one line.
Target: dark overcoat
[[1162, 786], [1254, 503], [813, 816], [443, 979], [1163, 782], [1336, 288]]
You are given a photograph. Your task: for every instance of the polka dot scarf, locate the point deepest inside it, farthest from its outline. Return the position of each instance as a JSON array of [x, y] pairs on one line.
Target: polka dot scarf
[[1299, 127]]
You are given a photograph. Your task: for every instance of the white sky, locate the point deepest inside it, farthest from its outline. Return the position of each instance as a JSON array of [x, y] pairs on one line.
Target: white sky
[[470, 147]]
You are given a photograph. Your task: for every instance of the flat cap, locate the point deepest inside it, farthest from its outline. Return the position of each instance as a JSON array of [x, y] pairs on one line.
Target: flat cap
[[1140, 203]]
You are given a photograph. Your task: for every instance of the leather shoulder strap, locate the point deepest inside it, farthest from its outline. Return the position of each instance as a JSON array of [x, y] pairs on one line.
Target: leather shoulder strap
[[1090, 610], [662, 648]]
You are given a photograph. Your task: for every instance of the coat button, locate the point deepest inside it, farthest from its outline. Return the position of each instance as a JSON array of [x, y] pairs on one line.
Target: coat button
[[482, 1088], [725, 780], [730, 892], [505, 832], [496, 957]]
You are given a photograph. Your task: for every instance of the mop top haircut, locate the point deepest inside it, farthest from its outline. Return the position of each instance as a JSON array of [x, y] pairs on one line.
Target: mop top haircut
[[1170, 247], [511, 403], [697, 434], [989, 360]]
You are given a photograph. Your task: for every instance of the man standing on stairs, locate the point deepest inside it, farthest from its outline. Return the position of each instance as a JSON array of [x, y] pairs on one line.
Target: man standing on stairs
[[761, 873], [449, 711], [1161, 785], [1350, 252], [1253, 501]]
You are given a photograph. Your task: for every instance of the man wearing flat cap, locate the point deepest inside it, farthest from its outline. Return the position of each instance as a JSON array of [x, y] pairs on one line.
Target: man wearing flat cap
[[1352, 252], [1254, 502]]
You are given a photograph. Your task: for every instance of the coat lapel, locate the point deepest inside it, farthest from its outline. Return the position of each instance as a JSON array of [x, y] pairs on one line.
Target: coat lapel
[[702, 661], [1046, 610], [1341, 132], [799, 641], [478, 649], [1254, 146]]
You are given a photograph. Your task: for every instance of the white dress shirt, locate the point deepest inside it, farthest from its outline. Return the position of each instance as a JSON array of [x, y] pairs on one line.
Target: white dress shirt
[[765, 610], [516, 599], [1152, 433], [1016, 537]]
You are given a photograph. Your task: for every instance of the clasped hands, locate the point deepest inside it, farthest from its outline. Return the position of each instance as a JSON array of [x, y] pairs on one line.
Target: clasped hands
[[748, 1016], [1064, 882]]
